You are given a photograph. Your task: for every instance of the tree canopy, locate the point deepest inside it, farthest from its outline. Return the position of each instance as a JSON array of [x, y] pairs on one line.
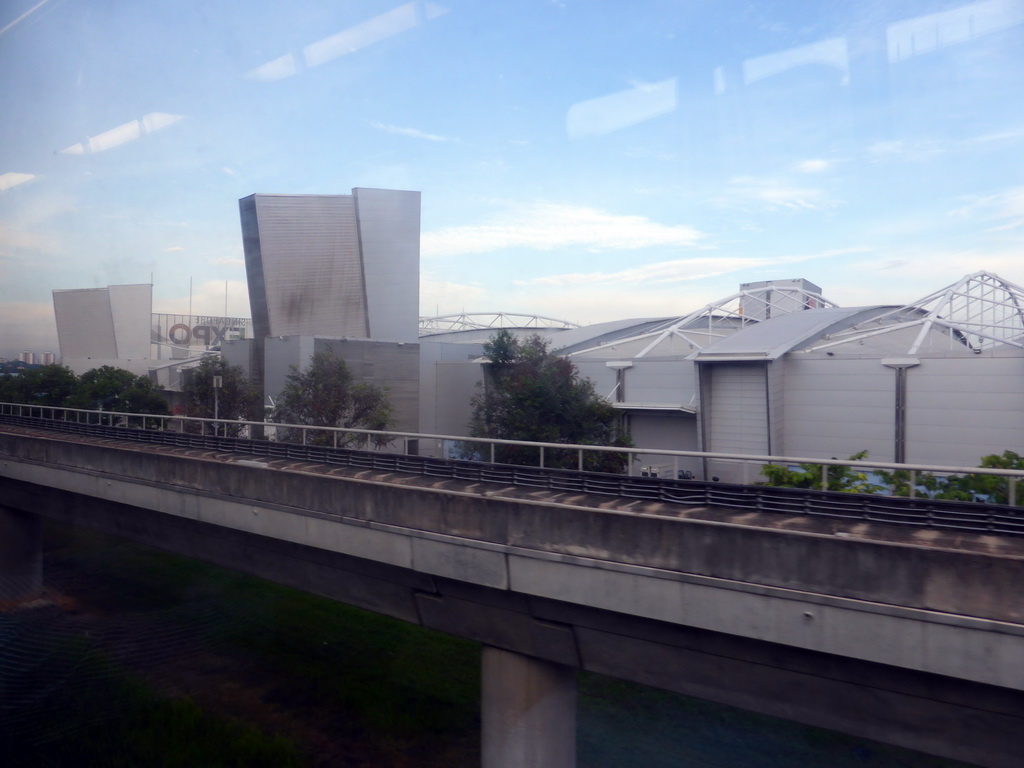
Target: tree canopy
[[106, 388], [839, 478], [237, 399], [533, 394], [969, 487], [114, 389], [45, 385], [994, 489], [325, 395]]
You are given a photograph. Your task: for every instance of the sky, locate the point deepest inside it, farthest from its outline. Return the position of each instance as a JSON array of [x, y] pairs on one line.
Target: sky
[[586, 160]]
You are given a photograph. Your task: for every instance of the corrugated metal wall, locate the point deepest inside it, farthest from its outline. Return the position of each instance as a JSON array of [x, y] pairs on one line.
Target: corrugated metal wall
[[673, 431], [738, 418], [837, 407], [961, 410], [448, 381], [735, 416], [387, 364], [958, 409], [312, 271]]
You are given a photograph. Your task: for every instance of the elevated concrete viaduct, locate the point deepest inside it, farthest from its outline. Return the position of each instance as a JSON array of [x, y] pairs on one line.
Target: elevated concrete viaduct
[[914, 638]]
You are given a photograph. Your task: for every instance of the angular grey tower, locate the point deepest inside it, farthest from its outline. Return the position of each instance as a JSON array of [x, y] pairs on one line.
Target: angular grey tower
[[342, 266]]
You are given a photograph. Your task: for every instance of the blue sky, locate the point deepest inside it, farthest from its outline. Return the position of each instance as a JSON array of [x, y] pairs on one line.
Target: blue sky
[[586, 160]]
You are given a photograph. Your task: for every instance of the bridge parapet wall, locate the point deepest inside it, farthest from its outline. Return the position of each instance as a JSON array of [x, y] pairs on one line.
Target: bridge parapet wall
[[983, 582]]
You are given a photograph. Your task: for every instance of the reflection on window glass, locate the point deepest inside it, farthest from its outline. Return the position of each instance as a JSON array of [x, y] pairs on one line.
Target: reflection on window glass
[[586, 161]]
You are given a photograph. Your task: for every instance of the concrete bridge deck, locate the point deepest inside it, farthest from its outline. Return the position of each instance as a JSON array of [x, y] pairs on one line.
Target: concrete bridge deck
[[912, 637]]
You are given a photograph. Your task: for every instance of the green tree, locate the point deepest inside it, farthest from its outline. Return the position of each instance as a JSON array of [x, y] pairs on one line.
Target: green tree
[[993, 488], [533, 394], [324, 395], [237, 400], [114, 389], [46, 385], [839, 478], [969, 487]]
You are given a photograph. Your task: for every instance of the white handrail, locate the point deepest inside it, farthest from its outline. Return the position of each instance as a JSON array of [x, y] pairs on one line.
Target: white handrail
[[369, 434]]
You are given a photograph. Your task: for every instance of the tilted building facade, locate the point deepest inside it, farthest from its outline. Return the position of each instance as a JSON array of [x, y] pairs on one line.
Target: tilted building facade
[[338, 272]]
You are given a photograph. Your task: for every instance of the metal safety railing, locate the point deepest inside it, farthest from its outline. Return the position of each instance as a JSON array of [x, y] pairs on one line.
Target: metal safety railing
[[397, 452]]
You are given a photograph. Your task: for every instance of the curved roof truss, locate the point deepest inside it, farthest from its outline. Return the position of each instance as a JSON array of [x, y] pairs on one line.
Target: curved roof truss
[[726, 316], [981, 311], [469, 321]]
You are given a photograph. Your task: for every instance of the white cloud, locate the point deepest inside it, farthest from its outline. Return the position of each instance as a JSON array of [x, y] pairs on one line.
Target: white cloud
[[411, 132], [209, 298], [813, 166], [904, 275], [907, 151], [772, 194], [1006, 205], [28, 233], [682, 270], [547, 226], [663, 289], [438, 297], [928, 147], [25, 244], [596, 304]]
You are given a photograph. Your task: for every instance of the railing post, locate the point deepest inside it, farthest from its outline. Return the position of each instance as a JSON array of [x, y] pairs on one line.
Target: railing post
[[913, 483], [580, 465], [542, 457], [492, 453], [824, 477], [1011, 496]]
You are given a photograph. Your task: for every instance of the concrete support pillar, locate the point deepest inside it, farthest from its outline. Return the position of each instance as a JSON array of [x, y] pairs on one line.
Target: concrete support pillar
[[528, 712], [21, 555]]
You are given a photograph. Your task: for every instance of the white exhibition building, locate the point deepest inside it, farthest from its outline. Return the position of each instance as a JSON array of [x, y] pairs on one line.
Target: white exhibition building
[[775, 369]]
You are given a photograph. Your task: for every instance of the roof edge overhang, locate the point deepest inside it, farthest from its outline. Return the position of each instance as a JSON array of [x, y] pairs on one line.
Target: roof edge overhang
[[660, 407], [706, 358]]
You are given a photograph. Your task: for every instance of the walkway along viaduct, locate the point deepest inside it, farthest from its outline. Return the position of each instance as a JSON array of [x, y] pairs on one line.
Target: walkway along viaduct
[[911, 636]]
